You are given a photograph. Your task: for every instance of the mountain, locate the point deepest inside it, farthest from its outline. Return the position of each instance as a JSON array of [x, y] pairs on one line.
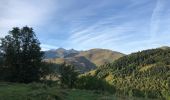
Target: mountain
[[139, 62], [81, 63], [59, 53], [100, 56], [83, 60], [145, 73]]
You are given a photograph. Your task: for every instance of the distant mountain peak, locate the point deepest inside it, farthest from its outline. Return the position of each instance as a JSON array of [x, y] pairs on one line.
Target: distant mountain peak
[[61, 49], [83, 60]]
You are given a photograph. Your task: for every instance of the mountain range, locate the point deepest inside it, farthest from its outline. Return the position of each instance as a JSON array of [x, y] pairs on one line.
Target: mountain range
[[84, 61]]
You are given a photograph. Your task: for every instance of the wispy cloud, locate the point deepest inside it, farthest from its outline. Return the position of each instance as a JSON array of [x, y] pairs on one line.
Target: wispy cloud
[[155, 19], [17, 13], [109, 32], [122, 25], [160, 23], [99, 34]]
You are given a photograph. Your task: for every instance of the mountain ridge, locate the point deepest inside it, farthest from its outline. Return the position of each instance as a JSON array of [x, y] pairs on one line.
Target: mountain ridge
[[83, 60]]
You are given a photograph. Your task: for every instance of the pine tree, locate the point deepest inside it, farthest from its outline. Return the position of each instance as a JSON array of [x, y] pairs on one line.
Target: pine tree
[[22, 55]]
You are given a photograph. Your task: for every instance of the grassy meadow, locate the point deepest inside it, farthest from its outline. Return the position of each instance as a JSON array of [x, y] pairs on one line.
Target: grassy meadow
[[38, 91]]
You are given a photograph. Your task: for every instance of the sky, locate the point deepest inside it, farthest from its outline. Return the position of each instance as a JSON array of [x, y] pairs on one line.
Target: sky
[[121, 25]]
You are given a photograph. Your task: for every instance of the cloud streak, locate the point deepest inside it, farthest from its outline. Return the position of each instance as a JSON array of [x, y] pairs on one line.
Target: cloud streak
[[124, 25], [155, 19], [106, 33], [23, 12]]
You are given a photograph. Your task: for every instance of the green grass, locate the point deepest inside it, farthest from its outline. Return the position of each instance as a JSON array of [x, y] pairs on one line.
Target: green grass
[[37, 91], [33, 91], [87, 95]]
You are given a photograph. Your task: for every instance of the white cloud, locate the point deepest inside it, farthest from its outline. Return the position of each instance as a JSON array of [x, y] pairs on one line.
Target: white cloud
[[18, 13], [104, 33], [118, 25], [155, 19]]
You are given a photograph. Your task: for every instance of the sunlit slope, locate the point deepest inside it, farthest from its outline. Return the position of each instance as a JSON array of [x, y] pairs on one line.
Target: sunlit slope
[[84, 61]]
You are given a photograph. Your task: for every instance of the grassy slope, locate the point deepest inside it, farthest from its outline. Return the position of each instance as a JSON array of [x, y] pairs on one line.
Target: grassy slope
[[13, 91], [101, 56]]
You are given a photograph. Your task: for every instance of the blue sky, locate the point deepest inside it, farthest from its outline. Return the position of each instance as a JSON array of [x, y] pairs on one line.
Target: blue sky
[[120, 25]]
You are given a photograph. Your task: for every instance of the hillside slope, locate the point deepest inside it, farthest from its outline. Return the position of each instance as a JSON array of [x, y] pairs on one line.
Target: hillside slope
[[83, 60], [146, 73], [141, 63], [100, 56]]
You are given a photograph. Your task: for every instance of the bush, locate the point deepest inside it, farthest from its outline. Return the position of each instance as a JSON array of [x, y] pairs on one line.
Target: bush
[[154, 94], [138, 93], [93, 83], [68, 75]]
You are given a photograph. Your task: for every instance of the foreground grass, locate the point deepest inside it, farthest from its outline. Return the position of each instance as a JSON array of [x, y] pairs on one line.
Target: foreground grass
[[36, 91]]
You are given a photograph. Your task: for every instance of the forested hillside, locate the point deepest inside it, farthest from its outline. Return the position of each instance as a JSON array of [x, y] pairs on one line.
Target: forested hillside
[[144, 74]]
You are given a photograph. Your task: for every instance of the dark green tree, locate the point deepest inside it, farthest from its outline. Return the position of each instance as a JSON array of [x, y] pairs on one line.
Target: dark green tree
[[93, 83], [68, 75], [22, 55], [1, 59]]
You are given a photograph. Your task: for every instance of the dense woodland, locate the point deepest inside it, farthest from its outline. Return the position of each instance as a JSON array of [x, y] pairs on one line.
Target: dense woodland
[[143, 74]]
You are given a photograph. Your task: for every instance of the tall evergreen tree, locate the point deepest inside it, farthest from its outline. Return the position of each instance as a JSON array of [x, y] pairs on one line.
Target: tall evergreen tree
[[22, 55]]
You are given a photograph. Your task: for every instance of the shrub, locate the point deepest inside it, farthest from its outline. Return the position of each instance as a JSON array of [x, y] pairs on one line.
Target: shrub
[[93, 83]]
